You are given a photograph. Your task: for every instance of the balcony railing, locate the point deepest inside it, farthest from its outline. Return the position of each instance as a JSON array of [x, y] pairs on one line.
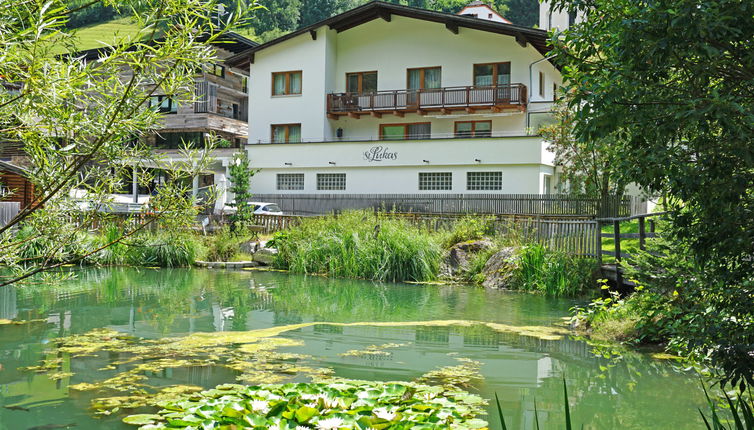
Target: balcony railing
[[449, 98]]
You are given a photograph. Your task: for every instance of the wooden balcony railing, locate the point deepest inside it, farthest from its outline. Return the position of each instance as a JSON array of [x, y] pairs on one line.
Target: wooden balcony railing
[[449, 98]]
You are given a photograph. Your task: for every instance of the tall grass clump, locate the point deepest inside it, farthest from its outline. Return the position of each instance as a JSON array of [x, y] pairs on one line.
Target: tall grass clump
[[356, 245], [225, 245], [163, 250], [469, 227], [553, 273]]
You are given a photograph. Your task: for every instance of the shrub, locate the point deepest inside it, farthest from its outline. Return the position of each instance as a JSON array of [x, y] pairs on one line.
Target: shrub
[[553, 273], [355, 245]]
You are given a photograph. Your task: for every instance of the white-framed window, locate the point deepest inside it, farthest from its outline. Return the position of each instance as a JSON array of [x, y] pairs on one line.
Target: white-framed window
[[435, 181], [487, 181], [290, 181], [331, 181]]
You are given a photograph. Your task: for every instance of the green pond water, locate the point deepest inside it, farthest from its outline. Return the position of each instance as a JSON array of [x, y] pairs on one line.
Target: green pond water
[[632, 392]]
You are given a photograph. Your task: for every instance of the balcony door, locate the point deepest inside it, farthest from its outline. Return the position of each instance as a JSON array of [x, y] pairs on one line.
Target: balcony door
[[492, 83], [420, 79], [361, 87]]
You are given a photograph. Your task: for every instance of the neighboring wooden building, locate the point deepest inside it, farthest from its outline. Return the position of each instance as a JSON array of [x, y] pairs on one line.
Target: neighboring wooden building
[[14, 185]]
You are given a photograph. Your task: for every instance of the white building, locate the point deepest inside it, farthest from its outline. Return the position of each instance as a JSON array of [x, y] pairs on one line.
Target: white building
[[392, 99]]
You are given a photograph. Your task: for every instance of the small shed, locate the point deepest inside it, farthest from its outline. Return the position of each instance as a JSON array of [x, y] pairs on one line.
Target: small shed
[[15, 185]]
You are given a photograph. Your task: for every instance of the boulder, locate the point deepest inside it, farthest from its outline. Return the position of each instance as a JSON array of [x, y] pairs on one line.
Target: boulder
[[498, 272], [265, 256], [250, 247], [457, 258]]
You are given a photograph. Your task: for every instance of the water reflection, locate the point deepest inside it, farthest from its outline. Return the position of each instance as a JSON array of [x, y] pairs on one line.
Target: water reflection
[[633, 393]]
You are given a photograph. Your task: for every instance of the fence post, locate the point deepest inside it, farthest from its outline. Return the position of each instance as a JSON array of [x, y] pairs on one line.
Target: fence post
[[642, 234], [598, 246], [616, 239]]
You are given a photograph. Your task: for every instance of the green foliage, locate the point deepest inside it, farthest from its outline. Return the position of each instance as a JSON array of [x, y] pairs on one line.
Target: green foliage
[[225, 245], [566, 408], [240, 177], [346, 404], [671, 81], [739, 414], [553, 273], [163, 250], [355, 245], [470, 227]]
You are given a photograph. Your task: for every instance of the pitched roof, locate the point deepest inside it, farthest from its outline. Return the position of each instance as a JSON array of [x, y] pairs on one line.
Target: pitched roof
[[8, 167], [380, 9], [229, 41]]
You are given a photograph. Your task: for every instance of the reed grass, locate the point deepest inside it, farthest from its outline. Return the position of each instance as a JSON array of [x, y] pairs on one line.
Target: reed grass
[[357, 245], [553, 273]]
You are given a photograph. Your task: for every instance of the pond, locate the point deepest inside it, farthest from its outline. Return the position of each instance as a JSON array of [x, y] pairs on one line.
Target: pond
[[416, 328]]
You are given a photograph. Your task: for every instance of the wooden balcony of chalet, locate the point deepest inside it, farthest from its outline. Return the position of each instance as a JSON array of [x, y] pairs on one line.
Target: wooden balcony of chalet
[[442, 100]]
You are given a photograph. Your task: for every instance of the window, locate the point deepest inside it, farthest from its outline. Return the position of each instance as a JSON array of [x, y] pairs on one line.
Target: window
[[217, 70], [361, 82], [476, 181], [547, 184], [331, 181], [419, 130], [436, 181], [555, 95], [286, 83], [163, 104], [286, 133], [492, 74], [290, 181], [424, 78], [473, 128], [541, 84], [165, 140], [245, 84]]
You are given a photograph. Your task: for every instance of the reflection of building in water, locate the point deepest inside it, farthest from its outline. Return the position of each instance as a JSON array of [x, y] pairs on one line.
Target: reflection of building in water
[[327, 329], [481, 337], [432, 335]]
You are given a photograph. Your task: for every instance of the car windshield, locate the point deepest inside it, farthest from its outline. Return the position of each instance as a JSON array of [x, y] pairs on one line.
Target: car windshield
[[272, 208]]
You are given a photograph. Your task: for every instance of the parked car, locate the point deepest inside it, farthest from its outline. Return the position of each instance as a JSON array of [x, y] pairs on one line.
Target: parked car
[[259, 208]]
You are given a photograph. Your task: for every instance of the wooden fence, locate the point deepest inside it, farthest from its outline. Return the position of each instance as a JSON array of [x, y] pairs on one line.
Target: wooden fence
[[575, 235], [528, 204], [8, 210]]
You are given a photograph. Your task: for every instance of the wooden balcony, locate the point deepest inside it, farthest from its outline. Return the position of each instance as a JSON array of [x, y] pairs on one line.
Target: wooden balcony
[[443, 100]]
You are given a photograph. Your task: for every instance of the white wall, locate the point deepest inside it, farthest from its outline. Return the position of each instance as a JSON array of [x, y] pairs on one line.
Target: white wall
[[517, 179], [388, 48]]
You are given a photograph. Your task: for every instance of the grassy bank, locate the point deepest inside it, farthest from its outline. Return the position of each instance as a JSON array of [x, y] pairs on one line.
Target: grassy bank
[[356, 244], [353, 245]]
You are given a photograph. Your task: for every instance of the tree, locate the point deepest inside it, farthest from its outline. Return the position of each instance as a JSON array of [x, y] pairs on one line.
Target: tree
[[589, 166], [78, 122], [523, 12], [240, 177], [673, 81]]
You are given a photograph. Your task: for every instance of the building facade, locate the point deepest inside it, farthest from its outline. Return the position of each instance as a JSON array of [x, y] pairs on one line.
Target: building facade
[[392, 99]]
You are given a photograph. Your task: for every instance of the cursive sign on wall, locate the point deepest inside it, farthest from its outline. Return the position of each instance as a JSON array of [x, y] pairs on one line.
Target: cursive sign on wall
[[379, 153]]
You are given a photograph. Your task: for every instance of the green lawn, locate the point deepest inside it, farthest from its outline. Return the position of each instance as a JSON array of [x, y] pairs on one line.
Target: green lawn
[[99, 35], [626, 245]]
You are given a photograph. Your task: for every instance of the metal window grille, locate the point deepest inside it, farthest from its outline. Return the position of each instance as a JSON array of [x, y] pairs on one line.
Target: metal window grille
[[290, 181], [484, 181], [331, 181], [436, 181]]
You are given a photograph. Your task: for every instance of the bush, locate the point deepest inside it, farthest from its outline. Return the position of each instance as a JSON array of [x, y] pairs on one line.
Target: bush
[[355, 245], [469, 227], [553, 273]]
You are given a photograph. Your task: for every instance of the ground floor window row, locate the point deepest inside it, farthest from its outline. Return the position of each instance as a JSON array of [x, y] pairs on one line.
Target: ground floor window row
[[291, 133], [428, 181]]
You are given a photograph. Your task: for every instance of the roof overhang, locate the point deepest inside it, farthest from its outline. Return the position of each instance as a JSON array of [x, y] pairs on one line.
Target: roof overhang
[[381, 10]]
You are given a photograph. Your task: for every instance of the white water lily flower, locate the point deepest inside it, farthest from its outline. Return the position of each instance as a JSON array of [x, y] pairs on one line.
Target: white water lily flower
[[303, 428], [260, 406], [384, 414], [330, 423], [312, 405]]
